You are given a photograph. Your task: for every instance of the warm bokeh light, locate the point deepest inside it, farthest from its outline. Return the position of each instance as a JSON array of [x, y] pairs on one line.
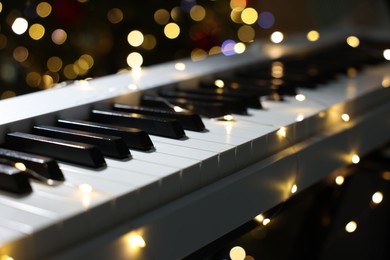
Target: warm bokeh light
[[241, 4], [219, 83], [161, 16], [339, 180], [300, 97], [266, 221], [36, 31], [377, 197], [246, 33], [135, 38], [136, 240], [351, 227], [277, 37], [259, 218], [33, 79], [237, 253], [345, 117], [115, 15], [85, 188], [20, 166], [282, 132], [43, 9], [20, 54], [294, 189], [149, 42], [313, 36], [180, 66], [239, 48], [355, 159], [19, 26], [59, 36], [386, 54], [353, 41], [134, 60], [198, 54], [172, 30], [6, 257], [249, 16], [197, 13]]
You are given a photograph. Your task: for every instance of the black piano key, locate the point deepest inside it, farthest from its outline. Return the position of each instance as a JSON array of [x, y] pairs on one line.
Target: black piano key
[[250, 100], [153, 125], [234, 105], [42, 165], [111, 146], [73, 152], [14, 180], [188, 119], [133, 137], [206, 109]]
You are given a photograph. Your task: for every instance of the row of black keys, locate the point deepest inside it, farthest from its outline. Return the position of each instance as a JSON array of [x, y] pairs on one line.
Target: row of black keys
[[108, 132]]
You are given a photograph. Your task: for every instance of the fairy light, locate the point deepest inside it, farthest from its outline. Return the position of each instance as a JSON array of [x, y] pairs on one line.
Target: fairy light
[[300, 117], [85, 188], [277, 37], [313, 36], [171, 30], [219, 83], [282, 132], [345, 117], [355, 159], [178, 109], [351, 227], [339, 180], [19, 26], [266, 221], [386, 54], [20, 166], [180, 66], [259, 218], [377, 197], [136, 240], [294, 189], [300, 97], [353, 41], [237, 253]]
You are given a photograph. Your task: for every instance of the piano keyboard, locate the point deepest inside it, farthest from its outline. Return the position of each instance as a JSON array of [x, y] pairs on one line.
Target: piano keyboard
[[187, 188]]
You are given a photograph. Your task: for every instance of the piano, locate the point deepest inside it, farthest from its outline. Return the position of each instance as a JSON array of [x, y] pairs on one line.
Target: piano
[[169, 201]]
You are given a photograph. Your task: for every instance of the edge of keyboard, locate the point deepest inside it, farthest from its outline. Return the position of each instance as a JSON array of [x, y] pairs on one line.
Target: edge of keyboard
[[162, 228]]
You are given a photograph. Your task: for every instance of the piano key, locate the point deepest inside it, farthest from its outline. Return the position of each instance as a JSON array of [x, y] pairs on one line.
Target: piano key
[[111, 146], [134, 138], [235, 105], [13, 180], [73, 152], [189, 120], [44, 166], [153, 125], [207, 109]]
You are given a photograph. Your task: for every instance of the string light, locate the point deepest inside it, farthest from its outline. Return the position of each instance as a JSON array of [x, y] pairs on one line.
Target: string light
[[259, 218], [282, 132], [386, 54], [345, 117], [294, 189], [300, 97], [313, 36], [355, 159], [266, 221], [339, 180], [351, 227], [136, 240], [377, 197], [237, 253], [180, 66], [353, 41], [277, 37]]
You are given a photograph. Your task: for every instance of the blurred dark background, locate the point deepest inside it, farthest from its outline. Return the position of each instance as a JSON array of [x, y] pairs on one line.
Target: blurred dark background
[[43, 42]]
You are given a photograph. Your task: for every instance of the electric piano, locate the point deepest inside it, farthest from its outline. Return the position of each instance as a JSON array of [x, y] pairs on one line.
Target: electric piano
[[181, 193]]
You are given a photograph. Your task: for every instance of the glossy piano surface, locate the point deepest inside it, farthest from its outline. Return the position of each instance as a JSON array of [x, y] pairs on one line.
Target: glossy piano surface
[[188, 192]]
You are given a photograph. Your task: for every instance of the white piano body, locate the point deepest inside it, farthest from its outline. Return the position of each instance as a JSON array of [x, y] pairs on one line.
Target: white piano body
[[188, 192]]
